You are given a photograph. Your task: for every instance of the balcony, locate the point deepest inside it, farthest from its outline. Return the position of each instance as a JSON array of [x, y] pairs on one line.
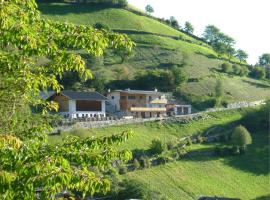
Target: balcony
[[146, 109]]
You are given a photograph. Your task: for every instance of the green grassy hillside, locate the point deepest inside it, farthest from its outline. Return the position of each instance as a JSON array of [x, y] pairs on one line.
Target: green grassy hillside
[[245, 177], [158, 47]]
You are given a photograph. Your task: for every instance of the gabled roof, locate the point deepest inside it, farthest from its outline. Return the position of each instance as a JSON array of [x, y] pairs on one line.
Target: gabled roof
[[74, 95]]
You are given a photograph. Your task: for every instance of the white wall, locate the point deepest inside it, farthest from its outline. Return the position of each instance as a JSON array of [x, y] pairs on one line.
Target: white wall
[[114, 98], [73, 113]]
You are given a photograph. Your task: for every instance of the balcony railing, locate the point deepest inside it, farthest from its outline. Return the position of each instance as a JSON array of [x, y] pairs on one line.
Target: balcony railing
[[146, 109]]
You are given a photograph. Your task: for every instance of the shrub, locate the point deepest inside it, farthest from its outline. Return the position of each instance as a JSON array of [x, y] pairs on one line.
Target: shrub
[[123, 169], [100, 26], [181, 152], [122, 3], [136, 164], [240, 70], [200, 139], [189, 142], [138, 153], [258, 72], [241, 137], [226, 67], [157, 147], [146, 163], [163, 159], [170, 145], [132, 189]]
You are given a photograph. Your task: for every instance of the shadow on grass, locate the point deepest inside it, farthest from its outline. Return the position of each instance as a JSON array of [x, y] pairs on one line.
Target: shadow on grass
[[265, 197], [255, 160]]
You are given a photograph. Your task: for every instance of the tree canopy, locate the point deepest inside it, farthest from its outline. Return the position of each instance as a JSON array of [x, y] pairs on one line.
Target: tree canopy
[[222, 43], [241, 137], [188, 28], [241, 55], [34, 53], [149, 9], [264, 60]]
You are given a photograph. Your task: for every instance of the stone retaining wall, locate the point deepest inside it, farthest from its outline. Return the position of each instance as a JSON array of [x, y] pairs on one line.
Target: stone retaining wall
[[175, 119]]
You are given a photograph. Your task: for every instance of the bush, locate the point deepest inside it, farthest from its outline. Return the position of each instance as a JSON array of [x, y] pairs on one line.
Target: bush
[[157, 147], [136, 164], [100, 26], [181, 152], [189, 142], [240, 70], [170, 145], [132, 189], [146, 163], [200, 139], [122, 3], [241, 137], [226, 67], [258, 72], [123, 169], [163, 159]]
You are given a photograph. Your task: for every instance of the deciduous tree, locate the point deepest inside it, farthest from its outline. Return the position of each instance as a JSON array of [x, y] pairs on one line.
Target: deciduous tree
[[241, 137], [149, 9], [189, 28], [241, 55], [27, 162]]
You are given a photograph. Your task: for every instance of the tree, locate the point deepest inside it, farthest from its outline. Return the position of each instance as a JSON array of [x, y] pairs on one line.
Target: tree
[[230, 52], [240, 70], [241, 137], [122, 3], [241, 55], [219, 92], [211, 34], [123, 53], [264, 60], [27, 161], [189, 28], [222, 43], [226, 67], [149, 9], [174, 22], [258, 72]]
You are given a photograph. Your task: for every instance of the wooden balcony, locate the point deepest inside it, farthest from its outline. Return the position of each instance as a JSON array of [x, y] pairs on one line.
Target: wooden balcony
[[145, 109]]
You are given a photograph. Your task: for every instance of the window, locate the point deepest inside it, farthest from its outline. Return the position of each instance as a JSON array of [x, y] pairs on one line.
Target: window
[[140, 97], [131, 97], [112, 97], [123, 97]]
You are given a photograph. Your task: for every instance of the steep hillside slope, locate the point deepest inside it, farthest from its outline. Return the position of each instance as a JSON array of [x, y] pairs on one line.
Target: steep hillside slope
[[158, 47]]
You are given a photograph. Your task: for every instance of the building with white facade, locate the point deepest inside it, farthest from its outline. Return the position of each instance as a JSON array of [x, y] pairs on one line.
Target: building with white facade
[[80, 104], [138, 103]]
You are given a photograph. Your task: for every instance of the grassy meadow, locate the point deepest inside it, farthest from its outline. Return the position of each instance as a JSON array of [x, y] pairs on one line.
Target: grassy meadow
[[245, 177]]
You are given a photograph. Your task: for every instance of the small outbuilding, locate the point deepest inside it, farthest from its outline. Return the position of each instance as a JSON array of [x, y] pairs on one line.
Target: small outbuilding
[[73, 104]]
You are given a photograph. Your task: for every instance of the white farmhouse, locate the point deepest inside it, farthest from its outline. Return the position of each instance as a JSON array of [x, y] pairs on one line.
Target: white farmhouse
[[80, 104]]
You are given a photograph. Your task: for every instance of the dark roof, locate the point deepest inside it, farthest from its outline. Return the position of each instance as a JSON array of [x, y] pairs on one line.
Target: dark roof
[[74, 95]]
